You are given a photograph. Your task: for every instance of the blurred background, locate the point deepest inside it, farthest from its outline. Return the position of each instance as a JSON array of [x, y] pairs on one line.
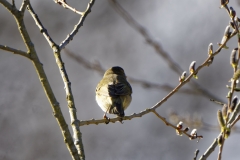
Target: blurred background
[[184, 29]]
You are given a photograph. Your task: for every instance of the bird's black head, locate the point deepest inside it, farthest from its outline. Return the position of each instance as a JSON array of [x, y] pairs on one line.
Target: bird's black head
[[115, 70]]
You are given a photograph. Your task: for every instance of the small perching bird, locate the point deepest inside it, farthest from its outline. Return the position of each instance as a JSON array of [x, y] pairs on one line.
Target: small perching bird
[[113, 92]]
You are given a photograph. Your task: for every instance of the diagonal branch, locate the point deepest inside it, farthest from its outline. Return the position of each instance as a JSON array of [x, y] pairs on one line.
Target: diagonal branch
[[43, 30], [65, 5], [176, 128], [24, 6], [158, 48], [77, 26], [15, 51], [69, 96], [8, 5]]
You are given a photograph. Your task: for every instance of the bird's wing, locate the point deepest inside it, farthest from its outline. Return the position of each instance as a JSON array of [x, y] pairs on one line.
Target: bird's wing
[[115, 88]]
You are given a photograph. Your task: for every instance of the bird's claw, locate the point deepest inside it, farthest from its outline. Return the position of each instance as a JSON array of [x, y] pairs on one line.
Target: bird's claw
[[107, 120]]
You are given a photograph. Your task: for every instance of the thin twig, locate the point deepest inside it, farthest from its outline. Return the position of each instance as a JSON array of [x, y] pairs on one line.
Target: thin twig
[[13, 3], [77, 26], [232, 121], [15, 51], [196, 154], [173, 126], [70, 99], [236, 120], [158, 48], [210, 149], [43, 30], [65, 5], [24, 6], [220, 150]]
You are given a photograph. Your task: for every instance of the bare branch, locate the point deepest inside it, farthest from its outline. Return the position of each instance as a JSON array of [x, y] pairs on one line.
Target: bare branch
[[158, 47], [13, 3], [24, 6], [65, 5], [77, 26], [220, 150], [210, 149], [8, 5], [176, 128], [15, 51], [43, 30], [196, 154], [44, 81], [70, 102]]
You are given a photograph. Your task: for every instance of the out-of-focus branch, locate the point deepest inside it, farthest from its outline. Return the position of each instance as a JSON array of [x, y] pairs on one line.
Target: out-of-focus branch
[[65, 5], [77, 26], [98, 68], [13, 3], [158, 48], [15, 51], [196, 154]]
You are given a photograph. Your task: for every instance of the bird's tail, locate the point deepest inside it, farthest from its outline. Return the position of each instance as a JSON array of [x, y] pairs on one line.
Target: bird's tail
[[117, 108]]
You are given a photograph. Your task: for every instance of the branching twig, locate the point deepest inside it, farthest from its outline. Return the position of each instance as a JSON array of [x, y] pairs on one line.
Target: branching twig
[[43, 79], [176, 128], [210, 149], [56, 50], [40, 26], [24, 6], [65, 5], [77, 26], [15, 51]]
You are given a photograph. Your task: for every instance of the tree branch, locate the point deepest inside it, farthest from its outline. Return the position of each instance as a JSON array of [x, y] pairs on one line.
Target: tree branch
[[77, 26], [70, 99], [44, 81], [65, 5], [24, 6], [43, 30], [15, 51]]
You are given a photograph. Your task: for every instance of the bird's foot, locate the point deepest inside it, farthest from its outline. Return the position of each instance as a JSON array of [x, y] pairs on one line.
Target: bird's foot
[[120, 119], [107, 120]]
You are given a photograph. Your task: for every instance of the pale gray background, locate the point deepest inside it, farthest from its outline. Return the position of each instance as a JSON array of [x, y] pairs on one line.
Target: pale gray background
[[185, 28]]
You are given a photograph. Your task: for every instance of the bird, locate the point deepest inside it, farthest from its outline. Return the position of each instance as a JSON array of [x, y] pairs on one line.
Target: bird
[[113, 93]]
